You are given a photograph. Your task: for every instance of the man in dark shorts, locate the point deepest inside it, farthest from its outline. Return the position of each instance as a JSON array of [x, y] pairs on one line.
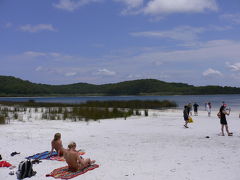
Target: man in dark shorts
[[195, 108], [223, 120]]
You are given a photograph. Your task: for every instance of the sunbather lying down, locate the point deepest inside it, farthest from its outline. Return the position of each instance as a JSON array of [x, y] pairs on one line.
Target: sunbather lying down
[[74, 161]]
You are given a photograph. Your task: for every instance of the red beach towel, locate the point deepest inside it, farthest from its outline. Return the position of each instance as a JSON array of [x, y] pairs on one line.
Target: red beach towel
[[64, 173], [5, 164]]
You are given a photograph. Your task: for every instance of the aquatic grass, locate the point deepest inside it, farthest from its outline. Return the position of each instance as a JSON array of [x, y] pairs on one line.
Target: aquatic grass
[[91, 110], [137, 104], [2, 119]]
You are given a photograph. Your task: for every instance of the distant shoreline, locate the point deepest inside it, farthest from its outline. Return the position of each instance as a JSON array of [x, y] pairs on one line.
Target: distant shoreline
[[100, 95]]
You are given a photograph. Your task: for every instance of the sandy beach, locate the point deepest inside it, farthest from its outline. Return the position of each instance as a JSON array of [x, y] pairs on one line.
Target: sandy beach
[[150, 148]]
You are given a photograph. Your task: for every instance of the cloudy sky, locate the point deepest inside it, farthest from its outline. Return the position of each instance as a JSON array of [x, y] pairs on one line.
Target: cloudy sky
[[106, 41]]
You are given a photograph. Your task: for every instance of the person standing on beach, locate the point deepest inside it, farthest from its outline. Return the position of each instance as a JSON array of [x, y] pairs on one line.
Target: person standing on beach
[[209, 107], [195, 108], [189, 108], [223, 121], [186, 116]]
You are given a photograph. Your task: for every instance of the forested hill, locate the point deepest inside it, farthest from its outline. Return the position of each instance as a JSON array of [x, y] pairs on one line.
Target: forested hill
[[11, 86]]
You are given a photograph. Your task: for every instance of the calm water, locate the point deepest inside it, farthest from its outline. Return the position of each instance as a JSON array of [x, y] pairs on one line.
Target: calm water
[[233, 101]]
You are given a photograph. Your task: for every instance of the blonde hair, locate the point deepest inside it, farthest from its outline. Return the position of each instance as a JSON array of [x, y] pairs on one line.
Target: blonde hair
[[57, 136], [71, 145]]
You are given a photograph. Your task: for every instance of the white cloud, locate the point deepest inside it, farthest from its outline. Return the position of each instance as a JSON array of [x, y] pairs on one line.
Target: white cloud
[[234, 67], [234, 18], [179, 6], [37, 28], [135, 76], [149, 7], [207, 54], [50, 55], [209, 51], [72, 5], [130, 5], [63, 71], [34, 54], [219, 28], [54, 54], [211, 72], [183, 33], [39, 68], [105, 72], [8, 25], [70, 74]]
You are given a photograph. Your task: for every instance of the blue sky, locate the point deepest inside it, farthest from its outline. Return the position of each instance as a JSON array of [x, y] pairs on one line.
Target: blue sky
[[106, 41]]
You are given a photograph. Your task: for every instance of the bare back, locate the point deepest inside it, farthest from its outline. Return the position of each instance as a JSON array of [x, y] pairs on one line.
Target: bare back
[[57, 145], [72, 159]]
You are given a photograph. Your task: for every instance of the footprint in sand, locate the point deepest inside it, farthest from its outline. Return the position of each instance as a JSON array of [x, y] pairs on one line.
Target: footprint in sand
[[173, 170]]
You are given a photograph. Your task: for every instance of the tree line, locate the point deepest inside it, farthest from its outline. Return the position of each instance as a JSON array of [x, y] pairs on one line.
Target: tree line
[[11, 86]]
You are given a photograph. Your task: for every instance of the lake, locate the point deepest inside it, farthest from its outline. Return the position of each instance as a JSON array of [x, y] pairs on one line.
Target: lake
[[232, 101]]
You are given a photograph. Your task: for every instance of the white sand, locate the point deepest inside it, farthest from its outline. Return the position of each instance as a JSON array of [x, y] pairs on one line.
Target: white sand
[[156, 147]]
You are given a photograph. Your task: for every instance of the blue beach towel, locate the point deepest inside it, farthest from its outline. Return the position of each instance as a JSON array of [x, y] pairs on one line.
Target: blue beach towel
[[43, 155]]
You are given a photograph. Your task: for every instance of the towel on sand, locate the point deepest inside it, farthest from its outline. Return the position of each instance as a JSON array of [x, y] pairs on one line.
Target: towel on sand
[[64, 173], [43, 155], [5, 164], [61, 158]]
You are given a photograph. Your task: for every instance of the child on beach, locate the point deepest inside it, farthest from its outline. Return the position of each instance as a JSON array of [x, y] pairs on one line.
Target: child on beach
[[186, 115], [74, 161], [57, 145], [209, 107], [223, 112]]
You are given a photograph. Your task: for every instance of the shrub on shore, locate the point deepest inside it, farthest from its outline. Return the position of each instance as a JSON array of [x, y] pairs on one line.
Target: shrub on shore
[[134, 104], [93, 110], [2, 119]]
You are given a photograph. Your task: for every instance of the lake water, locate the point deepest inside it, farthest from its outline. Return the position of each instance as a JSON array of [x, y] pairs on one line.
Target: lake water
[[232, 101]]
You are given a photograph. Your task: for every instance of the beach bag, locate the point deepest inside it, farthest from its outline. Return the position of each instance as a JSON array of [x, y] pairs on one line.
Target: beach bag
[[219, 115], [25, 170], [190, 120]]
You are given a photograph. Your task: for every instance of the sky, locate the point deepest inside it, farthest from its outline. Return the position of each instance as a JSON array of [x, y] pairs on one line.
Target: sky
[[107, 41]]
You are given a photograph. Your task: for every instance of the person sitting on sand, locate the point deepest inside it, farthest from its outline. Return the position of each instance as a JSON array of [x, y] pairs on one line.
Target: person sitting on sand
[[57, 145], [185, 116], [223, 120], [74, 161]]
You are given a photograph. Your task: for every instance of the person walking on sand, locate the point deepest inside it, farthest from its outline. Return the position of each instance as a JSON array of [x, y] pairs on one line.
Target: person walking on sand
[[74, 161], [189, 109], [195, 108], [57, 145], [186, 116], [209, 107], [223, 121]]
